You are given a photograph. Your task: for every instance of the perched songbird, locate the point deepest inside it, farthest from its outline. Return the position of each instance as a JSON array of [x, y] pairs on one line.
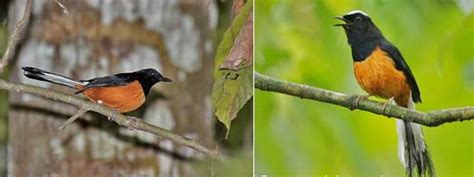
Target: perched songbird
[[381, 71], [123, 92]]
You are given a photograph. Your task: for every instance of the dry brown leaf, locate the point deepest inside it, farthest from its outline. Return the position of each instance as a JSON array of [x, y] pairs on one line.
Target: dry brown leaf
[[241, 53]]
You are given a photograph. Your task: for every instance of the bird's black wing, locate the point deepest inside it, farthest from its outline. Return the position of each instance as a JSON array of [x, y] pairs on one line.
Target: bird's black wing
[[108, 81], [401, 65]]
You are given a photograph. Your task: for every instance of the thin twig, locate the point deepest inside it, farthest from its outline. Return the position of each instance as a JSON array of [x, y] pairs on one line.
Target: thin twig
[[15, 37], [432, 119], [79, 113], [129, 122]]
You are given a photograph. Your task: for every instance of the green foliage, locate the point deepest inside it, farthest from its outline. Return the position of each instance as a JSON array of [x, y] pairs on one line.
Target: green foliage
[[295, 41], [231, 89], [3, 94], [3, 39], [239, 165], [3, 101]]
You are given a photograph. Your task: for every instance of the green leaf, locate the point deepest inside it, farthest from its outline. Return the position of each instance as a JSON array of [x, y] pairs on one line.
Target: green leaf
[[231, 89]]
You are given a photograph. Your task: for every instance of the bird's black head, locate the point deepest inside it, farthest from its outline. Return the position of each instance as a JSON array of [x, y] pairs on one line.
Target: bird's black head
[[152, 75], [359, 28], [149, 77]]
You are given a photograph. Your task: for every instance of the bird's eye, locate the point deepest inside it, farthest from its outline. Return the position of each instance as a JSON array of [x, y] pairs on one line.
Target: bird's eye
[[358, 18]]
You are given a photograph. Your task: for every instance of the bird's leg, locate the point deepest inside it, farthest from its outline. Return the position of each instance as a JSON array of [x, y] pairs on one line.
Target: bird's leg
[[389, 101], [355, 99], [132, 122], [114, 115]]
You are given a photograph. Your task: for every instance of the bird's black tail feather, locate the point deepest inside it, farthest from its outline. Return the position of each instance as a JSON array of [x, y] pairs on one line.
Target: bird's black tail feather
[[413, 151], [416, 152]]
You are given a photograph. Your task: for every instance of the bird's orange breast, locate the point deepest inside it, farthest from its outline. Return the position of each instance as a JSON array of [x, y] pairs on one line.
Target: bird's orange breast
[[122, 98], [378, 76]]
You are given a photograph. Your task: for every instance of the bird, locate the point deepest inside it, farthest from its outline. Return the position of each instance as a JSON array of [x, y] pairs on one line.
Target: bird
[[123, 92], [381, 71]]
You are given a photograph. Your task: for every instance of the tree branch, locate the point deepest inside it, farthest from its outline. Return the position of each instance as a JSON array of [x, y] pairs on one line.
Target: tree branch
[[127, 121], [433, 118], [79, 113], [84, 105], [16, 36]]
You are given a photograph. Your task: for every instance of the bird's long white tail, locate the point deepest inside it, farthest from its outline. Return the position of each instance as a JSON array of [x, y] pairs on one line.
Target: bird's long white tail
[[412, 149], [38, 74]]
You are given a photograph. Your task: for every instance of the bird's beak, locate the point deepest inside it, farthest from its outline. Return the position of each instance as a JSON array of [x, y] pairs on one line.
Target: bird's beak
[[164, 79], [342, 19]]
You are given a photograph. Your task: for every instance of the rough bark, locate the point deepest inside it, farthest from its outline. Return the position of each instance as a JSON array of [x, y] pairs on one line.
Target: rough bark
[[90, 38], [432, 119]]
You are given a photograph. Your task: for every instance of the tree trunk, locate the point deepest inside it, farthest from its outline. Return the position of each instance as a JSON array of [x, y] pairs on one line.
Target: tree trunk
[[90, 38]]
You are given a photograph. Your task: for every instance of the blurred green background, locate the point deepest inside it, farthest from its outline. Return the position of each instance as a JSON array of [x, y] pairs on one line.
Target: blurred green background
[[295, 41]]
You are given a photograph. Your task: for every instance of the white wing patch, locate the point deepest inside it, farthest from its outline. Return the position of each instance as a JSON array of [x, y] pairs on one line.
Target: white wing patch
[[357, 11]]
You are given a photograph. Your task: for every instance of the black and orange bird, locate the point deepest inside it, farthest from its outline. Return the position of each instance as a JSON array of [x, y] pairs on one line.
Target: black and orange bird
[[380, 70], [123, 92]]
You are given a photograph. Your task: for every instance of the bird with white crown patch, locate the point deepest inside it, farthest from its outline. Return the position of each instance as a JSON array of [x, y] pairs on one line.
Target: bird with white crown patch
[[380, 70]]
